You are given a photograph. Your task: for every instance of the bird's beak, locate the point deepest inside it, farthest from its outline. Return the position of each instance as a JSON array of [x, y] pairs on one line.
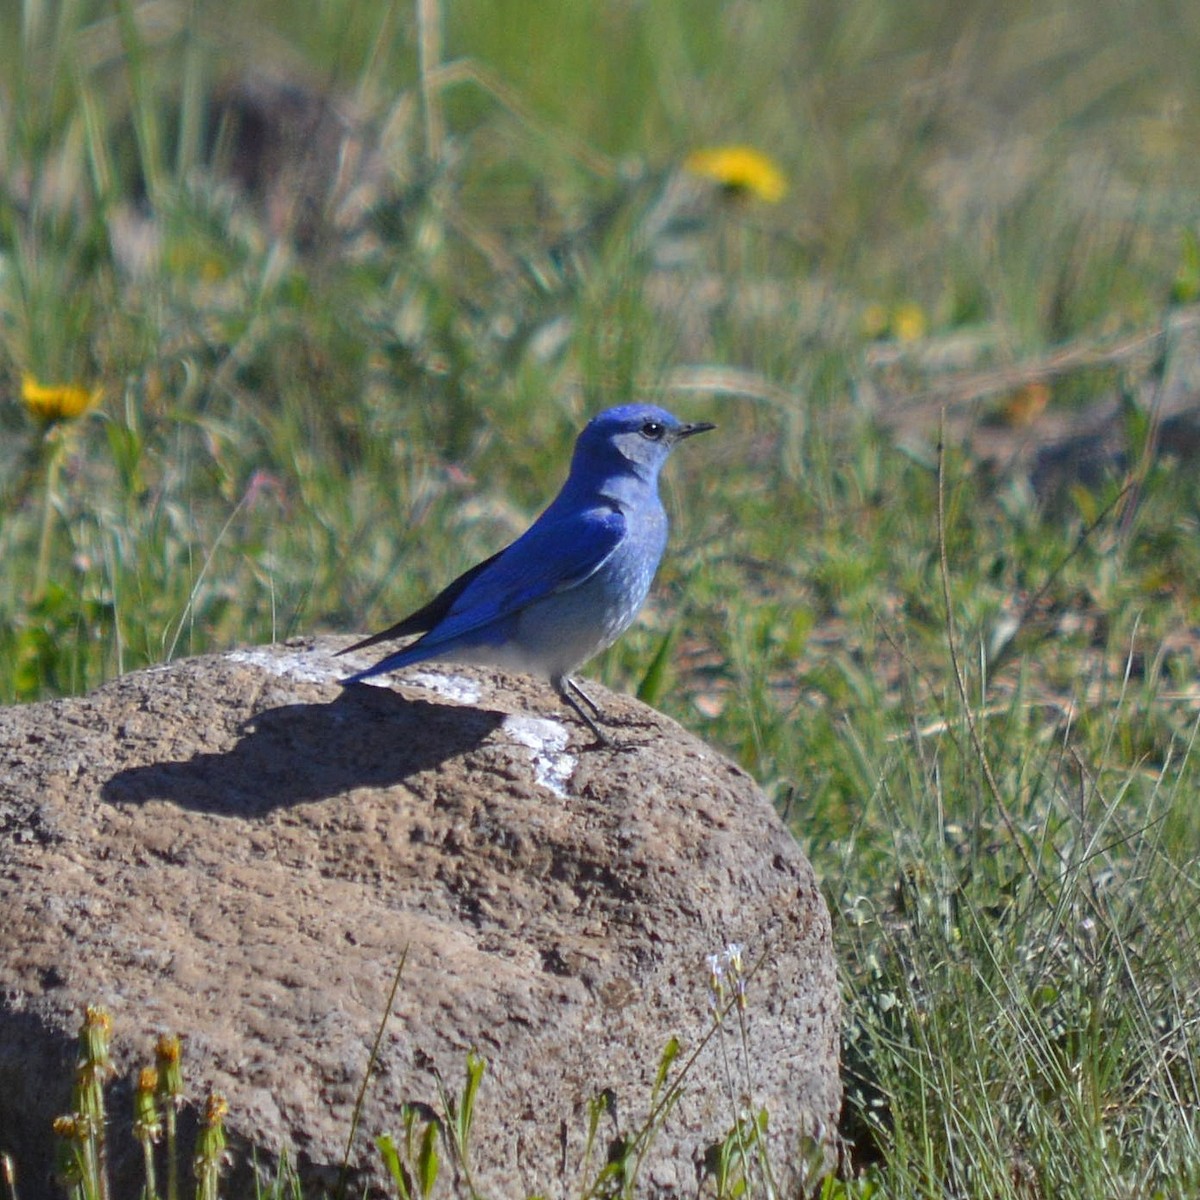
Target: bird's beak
[[686, 431]]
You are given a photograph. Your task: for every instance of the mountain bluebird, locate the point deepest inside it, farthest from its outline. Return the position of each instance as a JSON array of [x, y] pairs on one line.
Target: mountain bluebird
[[574, 581]]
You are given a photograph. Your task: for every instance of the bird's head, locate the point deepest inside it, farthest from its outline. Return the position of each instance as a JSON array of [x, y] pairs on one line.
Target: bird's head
[[636, 437]]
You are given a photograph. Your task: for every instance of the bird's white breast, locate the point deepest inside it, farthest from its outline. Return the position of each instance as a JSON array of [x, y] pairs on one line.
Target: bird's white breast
[[562, 631]]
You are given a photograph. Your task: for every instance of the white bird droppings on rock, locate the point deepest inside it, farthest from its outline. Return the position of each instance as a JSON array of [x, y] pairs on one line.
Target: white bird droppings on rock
[[552, 766], [303, 666]]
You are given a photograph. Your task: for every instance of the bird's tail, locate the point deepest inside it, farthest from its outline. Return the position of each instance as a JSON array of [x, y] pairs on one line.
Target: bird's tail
[[404, 628], [414, 653]]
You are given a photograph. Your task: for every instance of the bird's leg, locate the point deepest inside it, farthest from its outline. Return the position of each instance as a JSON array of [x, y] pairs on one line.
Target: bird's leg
[[565, 686], [577, 688]]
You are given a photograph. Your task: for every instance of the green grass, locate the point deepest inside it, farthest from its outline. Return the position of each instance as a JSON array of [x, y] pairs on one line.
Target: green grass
[[310, 432]]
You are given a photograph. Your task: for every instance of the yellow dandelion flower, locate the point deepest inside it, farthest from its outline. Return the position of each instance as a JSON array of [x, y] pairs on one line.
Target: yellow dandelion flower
[[56, 402], [909, 323], [168, 1050], [97, 1018], [741, 170], [905, 322]]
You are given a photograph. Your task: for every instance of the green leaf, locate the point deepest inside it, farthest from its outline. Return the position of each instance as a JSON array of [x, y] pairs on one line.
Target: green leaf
[[1085, 503], [476, 1065], [126, 448], [654, 682], [395, 1168], [427, 1159], [1186, 287], [669, 1055]]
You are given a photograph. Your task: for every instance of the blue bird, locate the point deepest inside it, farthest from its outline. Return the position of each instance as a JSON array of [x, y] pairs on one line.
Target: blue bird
[[570, 585]]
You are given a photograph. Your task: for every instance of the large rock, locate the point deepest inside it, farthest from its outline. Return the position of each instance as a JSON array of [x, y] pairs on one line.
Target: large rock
[[237, 849]]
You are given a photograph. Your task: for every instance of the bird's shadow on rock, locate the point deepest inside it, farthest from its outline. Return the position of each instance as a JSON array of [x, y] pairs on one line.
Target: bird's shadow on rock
[[300, 753]]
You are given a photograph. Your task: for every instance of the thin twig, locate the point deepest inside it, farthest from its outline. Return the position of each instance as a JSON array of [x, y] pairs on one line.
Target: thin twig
[[959, 679], [964, 388], [344, 1172], [195, 592]]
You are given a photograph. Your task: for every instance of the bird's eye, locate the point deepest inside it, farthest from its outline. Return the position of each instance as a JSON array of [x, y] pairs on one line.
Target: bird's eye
[[653, 430]]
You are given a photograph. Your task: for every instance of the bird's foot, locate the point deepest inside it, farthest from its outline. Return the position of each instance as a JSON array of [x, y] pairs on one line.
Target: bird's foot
[[571, 693]]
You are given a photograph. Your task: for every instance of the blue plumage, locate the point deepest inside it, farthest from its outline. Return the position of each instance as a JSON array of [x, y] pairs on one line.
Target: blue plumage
[[574, 581]]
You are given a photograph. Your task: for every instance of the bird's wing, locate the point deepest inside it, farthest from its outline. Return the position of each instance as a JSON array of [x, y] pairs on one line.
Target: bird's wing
[[550, 557], [426, 617]]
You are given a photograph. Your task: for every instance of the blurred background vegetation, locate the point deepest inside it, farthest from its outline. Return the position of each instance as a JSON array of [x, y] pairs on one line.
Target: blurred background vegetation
[[302, 306]]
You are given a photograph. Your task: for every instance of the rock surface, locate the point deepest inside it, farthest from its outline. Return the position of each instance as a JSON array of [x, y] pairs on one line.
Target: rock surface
[[236, 849]]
